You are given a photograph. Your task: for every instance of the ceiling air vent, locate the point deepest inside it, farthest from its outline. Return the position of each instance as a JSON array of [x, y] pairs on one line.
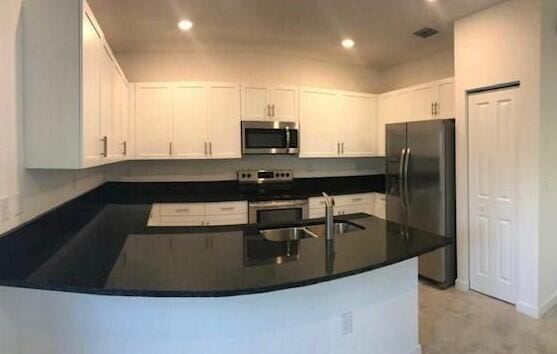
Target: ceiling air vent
[[426, 32]]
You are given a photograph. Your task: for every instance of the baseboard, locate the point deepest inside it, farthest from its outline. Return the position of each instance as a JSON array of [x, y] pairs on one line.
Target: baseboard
[[537, 312], [462, 285], [527, 309], [418, 350]]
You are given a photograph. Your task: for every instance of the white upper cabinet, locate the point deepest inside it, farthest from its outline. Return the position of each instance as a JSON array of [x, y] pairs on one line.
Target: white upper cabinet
[[224, 121], [337, 123], [189, 121], [424, 100], [446, 104], [434, 100], [68, 77], [269, 102], [319, 112], [153, 120], [358, 124]]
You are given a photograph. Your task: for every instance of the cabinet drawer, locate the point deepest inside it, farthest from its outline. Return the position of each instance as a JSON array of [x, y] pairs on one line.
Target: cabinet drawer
[[238, 219], [346, 210], [354, 199], [178, 221], [191, 209], [227, 208]]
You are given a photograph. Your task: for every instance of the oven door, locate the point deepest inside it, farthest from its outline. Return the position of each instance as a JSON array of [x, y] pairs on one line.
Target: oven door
[[269, 138], [278, 212]]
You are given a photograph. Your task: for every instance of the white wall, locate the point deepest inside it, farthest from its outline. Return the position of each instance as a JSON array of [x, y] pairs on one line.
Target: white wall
[[548, 157], [247, 67], [29, 192], [436, 67], [498, 45]]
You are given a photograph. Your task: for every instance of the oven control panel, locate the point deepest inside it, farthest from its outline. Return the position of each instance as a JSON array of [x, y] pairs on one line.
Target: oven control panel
[[265, 176]]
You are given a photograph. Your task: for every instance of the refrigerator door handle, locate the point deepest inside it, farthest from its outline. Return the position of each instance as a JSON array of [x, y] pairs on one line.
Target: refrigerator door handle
[[401, 177], [406, 162]]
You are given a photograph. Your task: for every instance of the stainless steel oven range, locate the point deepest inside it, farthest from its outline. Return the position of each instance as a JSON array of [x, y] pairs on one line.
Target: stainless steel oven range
[[277, 183]]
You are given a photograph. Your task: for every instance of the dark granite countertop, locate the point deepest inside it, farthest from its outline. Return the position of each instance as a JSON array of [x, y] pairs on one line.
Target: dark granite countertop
[[100, 244]]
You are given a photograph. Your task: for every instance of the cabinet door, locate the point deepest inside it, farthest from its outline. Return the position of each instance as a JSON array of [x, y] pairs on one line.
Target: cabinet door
[[319, 111], [423, 101], [446, 107], [152, 120], [284, 102], [91, 134], [107, 77], [116, 148], [224, 121], [255, 102], [357, 126], [402, 106], [189, 121], [125, 90], [386, 113]]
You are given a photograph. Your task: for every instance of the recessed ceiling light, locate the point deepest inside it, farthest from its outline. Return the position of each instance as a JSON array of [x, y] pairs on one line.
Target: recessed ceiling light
[[430, 0], [185, 25], [347, 43]]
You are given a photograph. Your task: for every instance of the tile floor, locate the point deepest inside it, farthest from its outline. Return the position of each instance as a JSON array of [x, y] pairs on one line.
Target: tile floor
[[456, 322]]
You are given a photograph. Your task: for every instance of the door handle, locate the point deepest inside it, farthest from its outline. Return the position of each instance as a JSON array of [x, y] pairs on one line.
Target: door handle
[[406, 163], [105, 146], [401, 177]]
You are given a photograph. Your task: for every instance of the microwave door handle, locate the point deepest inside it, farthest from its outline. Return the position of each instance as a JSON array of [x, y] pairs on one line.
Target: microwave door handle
[[287, 138]]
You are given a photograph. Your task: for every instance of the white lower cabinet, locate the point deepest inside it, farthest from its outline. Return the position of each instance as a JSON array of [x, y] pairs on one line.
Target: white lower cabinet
[[349, 204], [199, 214]]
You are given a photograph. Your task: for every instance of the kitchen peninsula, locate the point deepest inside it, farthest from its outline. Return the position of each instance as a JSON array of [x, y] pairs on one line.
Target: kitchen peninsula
[[203, 289]]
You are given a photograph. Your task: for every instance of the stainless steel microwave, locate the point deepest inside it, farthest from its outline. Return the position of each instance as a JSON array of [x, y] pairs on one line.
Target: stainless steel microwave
[[266, 137]]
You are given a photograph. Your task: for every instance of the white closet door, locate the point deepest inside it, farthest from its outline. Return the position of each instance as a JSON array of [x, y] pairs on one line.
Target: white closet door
[[493, 182], [152, 120], [189, 133], [224, 121]]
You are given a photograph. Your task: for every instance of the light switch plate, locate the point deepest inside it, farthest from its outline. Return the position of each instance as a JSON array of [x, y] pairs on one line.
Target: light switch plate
[[4, 210]]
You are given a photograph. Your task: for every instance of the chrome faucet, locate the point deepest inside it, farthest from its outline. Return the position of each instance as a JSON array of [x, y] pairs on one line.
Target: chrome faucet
[[329, 217]]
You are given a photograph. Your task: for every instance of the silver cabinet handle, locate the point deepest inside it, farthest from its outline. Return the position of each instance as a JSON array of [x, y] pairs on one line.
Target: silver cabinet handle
[[338, 148], [105, 146], [227, 209], [356, 199], [268, 110], [342, 148], [181, 210], [273, 110], [210, 148], [401, 176], [432, 108], [406, 163], [125, 143], [206, 148], [437, 108], [170, 148]]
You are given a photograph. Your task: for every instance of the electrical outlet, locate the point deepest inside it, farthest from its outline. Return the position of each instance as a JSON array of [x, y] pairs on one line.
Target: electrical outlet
[[4, 210], [347, 323]]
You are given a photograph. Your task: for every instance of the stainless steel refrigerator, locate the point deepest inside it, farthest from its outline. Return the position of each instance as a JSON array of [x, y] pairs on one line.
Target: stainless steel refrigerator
[[420, 174]]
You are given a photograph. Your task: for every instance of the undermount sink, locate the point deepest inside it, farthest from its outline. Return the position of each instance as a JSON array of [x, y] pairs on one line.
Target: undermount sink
[[311, 231], [339, 228], [286, 234]]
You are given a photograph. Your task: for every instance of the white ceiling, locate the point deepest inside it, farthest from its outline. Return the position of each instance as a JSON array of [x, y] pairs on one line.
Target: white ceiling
[[310, 29]]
